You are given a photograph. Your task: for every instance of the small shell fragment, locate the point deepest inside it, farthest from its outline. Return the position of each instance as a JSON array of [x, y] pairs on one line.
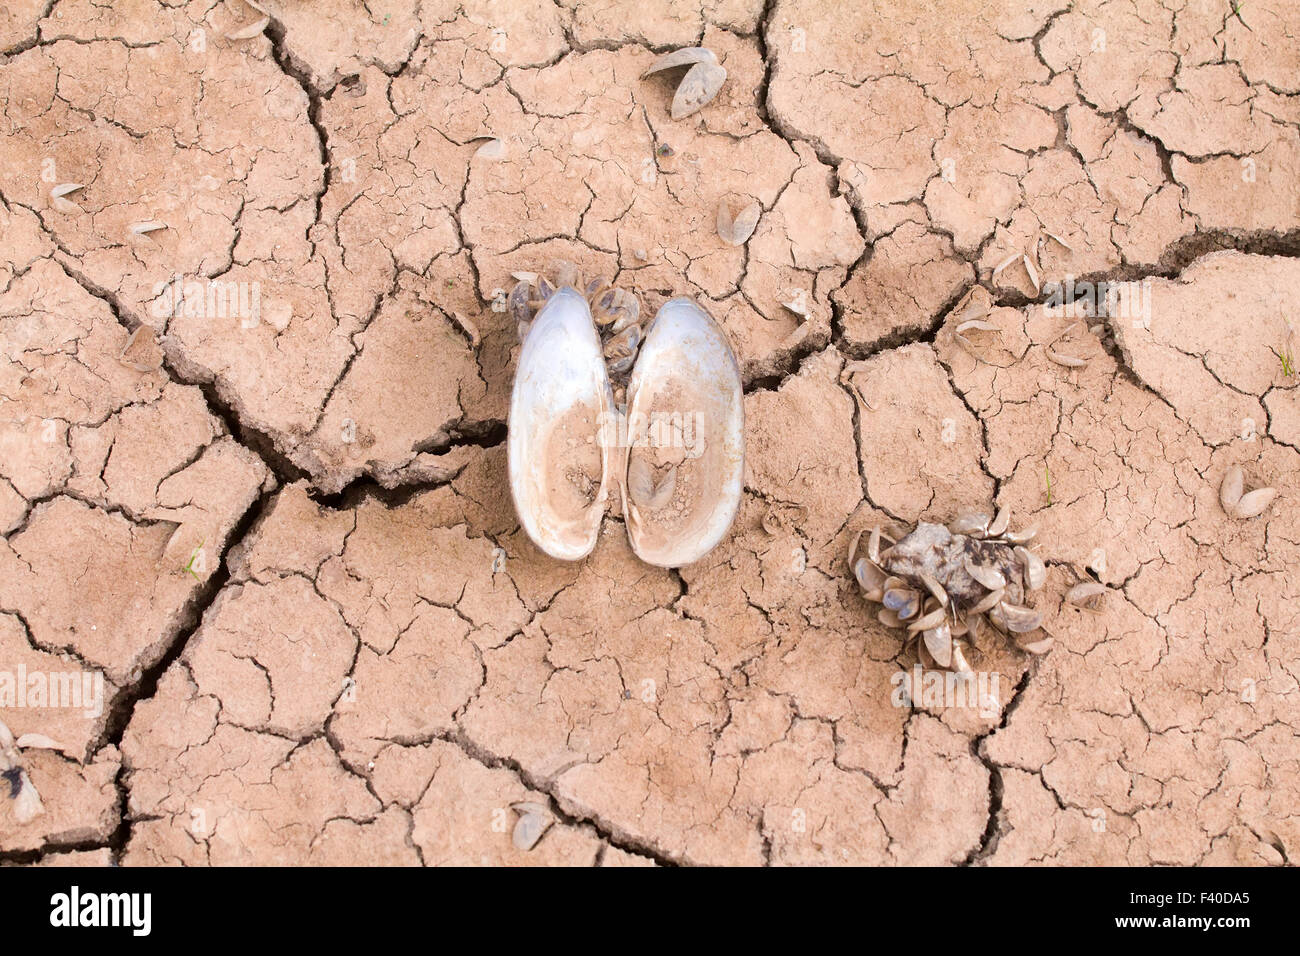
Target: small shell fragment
[[468, 327], [797, 306], [869, 577], [979, 325], [1069, 361], [903, 602], [736, 231], [1086, 594], [529, 828], [1253, 503], [1033, 273], [1006, 262], [991, 578], [141, 351], [990, 600], [1023, 536], [697, 89], [935, 588], [1035, 569], [142, 228], [938, 641], [63, 189], [1230, 490], [686, 56], [924, 623], [249, 31], [853, 548], [1000, 523], [491, 150], [972, 524], [1015, 618]]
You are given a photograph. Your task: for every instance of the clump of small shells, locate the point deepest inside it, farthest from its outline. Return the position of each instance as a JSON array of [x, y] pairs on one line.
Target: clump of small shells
[[701, 82], [1238, 503], [616, 311], [943, 583]]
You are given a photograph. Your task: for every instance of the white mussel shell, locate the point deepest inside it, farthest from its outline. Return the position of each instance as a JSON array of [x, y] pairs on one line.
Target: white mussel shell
[[560, 402], [685, 417]]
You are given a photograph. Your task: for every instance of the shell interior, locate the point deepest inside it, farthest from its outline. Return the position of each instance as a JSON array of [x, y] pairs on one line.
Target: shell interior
[[561, 400], [686, 423]]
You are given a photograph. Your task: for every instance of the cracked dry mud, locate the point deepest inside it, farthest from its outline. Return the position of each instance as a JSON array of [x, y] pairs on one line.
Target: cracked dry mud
[[287, 545]]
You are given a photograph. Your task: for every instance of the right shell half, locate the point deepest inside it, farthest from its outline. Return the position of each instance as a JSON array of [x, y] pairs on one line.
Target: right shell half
[[686, 436]]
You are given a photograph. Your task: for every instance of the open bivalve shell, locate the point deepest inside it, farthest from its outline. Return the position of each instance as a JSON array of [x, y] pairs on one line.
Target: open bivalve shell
[[686, 418], [561, 397], [676, 448]]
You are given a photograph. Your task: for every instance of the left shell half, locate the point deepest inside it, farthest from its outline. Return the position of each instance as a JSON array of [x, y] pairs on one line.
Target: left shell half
[[561, 401]]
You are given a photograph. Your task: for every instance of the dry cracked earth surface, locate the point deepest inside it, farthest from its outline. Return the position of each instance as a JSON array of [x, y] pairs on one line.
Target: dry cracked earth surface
[[281, 535]]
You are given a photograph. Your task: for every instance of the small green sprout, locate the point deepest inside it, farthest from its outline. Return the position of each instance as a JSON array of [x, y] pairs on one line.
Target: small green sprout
[[1236, 12], [195, 555]]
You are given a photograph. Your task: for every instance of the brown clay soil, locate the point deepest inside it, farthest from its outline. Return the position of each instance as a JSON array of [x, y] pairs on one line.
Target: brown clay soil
[[284, 537]]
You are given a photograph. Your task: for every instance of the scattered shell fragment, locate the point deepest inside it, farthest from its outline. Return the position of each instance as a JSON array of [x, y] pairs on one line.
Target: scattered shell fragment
[[1014, 618], [1230, 490], [990, 577], [938, 642], [1243, 506], [939, 583], [1253, 503], [701, 82], [798, 306], [63, 189], [22, 792], [1033, 273], [1059, 241], [143, 228], [142, 351], [492, 149], [1038, 647], [532, 824], [1006, 262], [1035, 569], [249, 31], [738, 230], [976, 524], [1069, 361], [468, 327], [1088, 595]]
